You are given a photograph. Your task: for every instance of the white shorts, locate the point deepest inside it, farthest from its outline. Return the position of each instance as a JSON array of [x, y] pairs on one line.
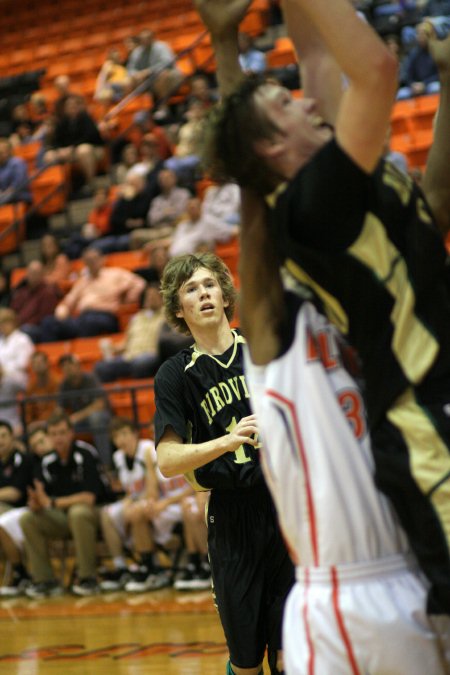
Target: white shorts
[[163, 524], [361, 619], [10, 522]]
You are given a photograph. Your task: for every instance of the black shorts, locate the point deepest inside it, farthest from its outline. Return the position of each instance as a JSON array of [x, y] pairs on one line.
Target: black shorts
[[251, 570], [411, 448]]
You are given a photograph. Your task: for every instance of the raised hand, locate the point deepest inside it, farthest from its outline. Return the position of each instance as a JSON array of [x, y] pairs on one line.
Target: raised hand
[[221, 15]]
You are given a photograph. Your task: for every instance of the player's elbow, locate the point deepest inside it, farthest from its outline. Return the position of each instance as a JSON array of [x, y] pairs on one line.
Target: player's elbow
[[165, 463]]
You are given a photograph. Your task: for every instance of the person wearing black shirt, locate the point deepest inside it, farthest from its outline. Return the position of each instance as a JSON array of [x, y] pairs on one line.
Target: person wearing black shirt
[[204, 429], [68, 485]]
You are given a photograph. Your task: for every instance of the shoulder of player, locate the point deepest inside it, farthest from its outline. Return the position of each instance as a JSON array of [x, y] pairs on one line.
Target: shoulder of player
[[173, 367]]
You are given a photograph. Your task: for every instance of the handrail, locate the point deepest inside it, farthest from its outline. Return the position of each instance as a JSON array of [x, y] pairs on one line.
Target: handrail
[[132, 389]]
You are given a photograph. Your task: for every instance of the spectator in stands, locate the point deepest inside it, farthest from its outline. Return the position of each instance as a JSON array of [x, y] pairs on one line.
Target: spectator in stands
[[252, 60], [33, 299], [56, 265], [153, 61], [420, 71], [39, 111], [129, 157], [43, 382], [128, 213], [137, 355], [149, 158], [158, 259], [91, 306], [189, 234], [98, 224], [15, 476], [113, 80], [16, 349], [437, 8], [77, 140], [144, 124], [83, 399], [196, 575], [62, 503], [22, 126], [149, 511], [185, 159], [130, 43], [165, 210], [62, 86], [13, 176], [220, 213], [201, 92]]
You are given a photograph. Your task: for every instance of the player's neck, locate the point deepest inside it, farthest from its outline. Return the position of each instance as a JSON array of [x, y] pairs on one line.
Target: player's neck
[[214, 340]]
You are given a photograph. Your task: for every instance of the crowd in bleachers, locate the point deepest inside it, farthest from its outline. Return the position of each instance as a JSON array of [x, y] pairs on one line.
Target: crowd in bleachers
[[86, 312]]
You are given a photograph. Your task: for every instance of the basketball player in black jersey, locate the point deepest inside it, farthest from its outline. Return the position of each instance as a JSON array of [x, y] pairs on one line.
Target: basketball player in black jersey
[[204, 429], [360, 234]]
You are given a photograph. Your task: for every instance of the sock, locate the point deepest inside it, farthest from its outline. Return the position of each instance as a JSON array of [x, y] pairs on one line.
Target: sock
[[194, 559], [147, 559], [20, 569]]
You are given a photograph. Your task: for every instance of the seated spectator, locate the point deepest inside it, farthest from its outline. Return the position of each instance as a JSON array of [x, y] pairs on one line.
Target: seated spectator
[[201, 92], [14, 177], [83, 399], [128, 214], [77, 140], [55, 263], [149, 157], [144, 123], [189, 234], [16, 349], [22, 126], [149, 511], [33, 299], [186, 156], [252, 61], [43, 382], [152, 61], [98, 224], [420, 71], [91, 306], [113, 80], [39, 110], [158, 259], [129, 157], [196, 575], [137, 356], [437, 8], [15, 476], [62, 85], [63, 503], [165, 210]]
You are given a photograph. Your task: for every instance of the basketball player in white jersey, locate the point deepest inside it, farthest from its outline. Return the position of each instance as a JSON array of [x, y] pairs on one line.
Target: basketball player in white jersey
[[359, 604]]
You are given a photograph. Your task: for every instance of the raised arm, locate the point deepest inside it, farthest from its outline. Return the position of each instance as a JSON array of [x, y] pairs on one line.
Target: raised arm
[[321, 76], [365, 108], [261, 297], [222, 18], [436, 182]]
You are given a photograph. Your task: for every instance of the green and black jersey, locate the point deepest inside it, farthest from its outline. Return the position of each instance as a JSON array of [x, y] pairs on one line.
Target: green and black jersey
[[368, 247], [203, 397]]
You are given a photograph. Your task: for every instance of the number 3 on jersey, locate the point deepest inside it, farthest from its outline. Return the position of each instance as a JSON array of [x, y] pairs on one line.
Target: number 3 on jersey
[[352, 405], [241, 457]]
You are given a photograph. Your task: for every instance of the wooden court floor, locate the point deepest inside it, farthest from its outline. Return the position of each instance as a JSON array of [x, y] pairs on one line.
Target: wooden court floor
[[111, 634]]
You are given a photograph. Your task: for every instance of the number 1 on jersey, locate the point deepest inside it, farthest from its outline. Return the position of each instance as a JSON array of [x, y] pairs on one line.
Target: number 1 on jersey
[[241, 457]]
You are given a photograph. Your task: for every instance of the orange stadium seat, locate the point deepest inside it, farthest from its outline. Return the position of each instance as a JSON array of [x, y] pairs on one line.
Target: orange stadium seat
[[282, 54], [9, 214], [28, 152], [49, 190], [128, 260]]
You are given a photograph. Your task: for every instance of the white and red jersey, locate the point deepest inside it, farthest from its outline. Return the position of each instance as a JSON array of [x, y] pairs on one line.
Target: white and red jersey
[[317, 460]]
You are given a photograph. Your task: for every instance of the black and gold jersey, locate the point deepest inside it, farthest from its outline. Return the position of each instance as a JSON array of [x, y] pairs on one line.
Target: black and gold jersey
[[202, 397], [368, 247], [16, 471]]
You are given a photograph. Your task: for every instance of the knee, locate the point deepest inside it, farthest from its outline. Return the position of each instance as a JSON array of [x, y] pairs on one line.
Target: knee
[[28, 522], [80, 513]]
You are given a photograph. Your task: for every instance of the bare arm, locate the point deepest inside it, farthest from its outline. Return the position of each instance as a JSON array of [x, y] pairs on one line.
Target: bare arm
[[261, 288], [321, 77], [222, 18], [436, 182], [176, 457], [365, 108]]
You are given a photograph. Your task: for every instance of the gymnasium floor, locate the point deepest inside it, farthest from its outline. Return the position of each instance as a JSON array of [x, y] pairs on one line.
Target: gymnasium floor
[[110, 634]]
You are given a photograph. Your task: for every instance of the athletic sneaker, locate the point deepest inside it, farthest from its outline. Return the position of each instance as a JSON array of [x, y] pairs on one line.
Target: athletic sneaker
[[146, 579], [115, 580], [86, 586], [194, 578], [44, 589], [18, 585]]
